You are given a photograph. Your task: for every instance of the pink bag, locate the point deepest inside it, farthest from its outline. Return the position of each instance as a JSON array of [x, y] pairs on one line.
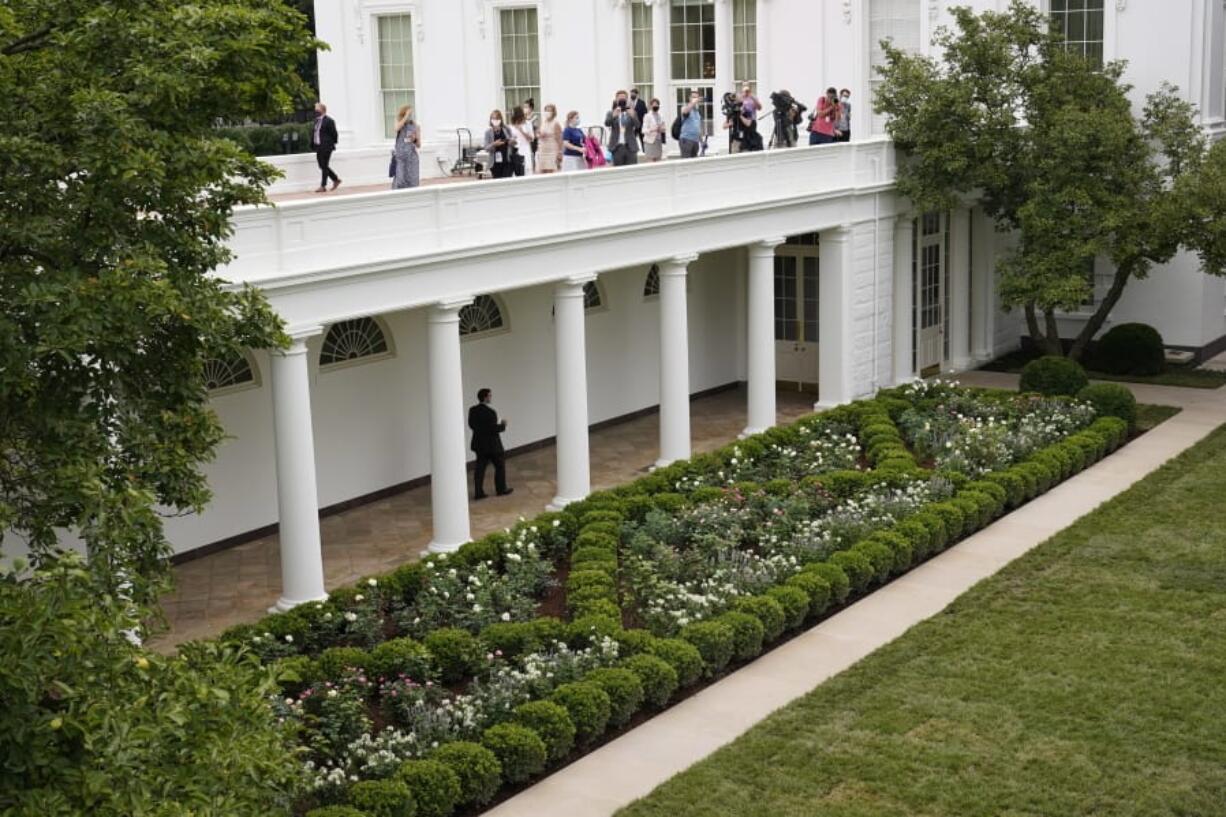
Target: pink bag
[[593, 153]]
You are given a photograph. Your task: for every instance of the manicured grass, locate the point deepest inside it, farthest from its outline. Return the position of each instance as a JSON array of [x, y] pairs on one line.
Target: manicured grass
[[1149, 416], [1175, 375], [1085, 678]]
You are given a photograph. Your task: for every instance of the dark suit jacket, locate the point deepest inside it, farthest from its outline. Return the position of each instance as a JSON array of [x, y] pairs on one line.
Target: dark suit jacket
[[640, 110], [327, 135], [483, 421]]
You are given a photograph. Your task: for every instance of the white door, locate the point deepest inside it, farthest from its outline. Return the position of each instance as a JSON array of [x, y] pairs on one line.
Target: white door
[[931, 312], [796, 270]]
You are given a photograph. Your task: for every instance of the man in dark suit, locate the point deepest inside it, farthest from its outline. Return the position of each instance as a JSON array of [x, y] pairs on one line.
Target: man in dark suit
[[640, 110], [487, 445], [323, 142], [623, 124]]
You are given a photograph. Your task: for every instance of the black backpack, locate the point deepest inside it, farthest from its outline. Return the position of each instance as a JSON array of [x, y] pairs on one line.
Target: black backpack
[[676, 129]]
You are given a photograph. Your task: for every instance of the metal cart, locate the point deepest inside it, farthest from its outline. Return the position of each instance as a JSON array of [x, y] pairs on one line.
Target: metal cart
[[469, 158]]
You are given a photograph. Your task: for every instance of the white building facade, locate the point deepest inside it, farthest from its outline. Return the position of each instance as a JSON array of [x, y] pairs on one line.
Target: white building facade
[[588, 297]]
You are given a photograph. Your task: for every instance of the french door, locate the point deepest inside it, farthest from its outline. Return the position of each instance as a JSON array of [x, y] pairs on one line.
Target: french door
[[796, 330], [931, 292]]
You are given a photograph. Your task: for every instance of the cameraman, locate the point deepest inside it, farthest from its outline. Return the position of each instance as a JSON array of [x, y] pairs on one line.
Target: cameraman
[[787, 115]]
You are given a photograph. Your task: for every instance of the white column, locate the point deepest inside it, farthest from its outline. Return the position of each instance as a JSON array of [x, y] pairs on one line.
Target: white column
[[983, 261], [960, 281], [760, 334], [834, 318], [448, 453], [302, 563], [661, 78], [570, 392], [904, 283], [723, 60], [674, 362]]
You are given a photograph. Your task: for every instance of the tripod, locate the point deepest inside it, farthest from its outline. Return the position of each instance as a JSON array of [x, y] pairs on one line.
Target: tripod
[[784, 134]]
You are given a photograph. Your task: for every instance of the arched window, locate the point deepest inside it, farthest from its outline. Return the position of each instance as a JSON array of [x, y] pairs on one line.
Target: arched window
[[652, 285], [231, 374], [593, 298], [354, 340], [482, 317]]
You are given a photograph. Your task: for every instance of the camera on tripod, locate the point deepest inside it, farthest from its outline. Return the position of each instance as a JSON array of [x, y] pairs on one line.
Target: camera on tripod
[[787, 108], [730, 105]]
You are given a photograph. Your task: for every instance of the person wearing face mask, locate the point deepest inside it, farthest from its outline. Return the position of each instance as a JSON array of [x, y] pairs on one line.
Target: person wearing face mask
[[498, 146], [654, 133], [549, 139], [825, 116], [623, 126], [842, 128], [572, 144], [640, 110], [522, 137]]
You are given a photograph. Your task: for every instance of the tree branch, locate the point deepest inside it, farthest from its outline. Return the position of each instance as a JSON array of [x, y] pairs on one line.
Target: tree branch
[[1122, 273], [30, 42]]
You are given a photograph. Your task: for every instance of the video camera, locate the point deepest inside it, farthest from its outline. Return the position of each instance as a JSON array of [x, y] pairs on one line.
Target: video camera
[[730, 105], [786, 106]]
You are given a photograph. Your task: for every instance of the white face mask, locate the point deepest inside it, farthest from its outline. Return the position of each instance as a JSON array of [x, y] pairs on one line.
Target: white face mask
[[574, 123], [549, 116], [495, 123], [845, 98]]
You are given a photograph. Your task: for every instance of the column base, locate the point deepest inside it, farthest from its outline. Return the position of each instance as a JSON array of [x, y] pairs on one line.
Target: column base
[[284, 605], [959, 366], [443, 547], [902, 381], [749, 432], [826, 405], [559, 502], [661, 463]]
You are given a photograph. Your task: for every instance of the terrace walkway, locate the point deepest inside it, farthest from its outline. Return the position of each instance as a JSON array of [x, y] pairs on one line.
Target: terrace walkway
[[240, 584], [600, 783]]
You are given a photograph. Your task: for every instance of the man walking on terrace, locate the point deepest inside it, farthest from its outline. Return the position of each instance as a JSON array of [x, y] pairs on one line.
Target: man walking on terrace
[[323, 142], [487, 445]]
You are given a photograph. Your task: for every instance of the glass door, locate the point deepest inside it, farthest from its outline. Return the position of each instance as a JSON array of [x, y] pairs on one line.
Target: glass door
[[796, 326], [930, 293]]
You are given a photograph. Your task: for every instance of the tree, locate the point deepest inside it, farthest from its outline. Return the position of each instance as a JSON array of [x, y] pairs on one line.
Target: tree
[[94, 724], [1049, 143], [115, 202]]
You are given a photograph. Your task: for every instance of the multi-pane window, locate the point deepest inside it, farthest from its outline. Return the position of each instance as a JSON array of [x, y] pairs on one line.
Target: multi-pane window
[[1091, 298], [692, 41], [521, 58], [395, 67], [651, 285], [641, 40], [229, 373], [745, 41], [897, 21], [352, 340], [706, 106], [1081, 24], [482, 316], [786, 327]]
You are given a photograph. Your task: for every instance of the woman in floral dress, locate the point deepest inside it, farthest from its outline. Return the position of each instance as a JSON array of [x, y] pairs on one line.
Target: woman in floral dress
[[408, 140], [549, 157]]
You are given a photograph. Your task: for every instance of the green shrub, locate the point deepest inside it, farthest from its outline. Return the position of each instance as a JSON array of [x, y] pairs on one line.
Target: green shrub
[[706, 494], [857, 566], [582, 558], [1112, 429], [608, 528], [845, 483], [747, 633], [335, 811], [971, 514], [1053, 375], [835, 576], [477, 768], [714, 642], [295, 673], [597, 516], [549, 629], [657, 676], [552, 723], [815, 588], [582, 579], [403, 582], [510, 638], [401, 656], [1111, 400], [900, 547], [624, 689], [917, 536], [520, 751], [581, 632], [382, 798], [1038, 479], [938, 533], [668, 502], [982, 504], [589, 708], [597, 540], [766, 610], [435, 786], [333, 662], [479, 551], [879, 556], [1130, 348], [993, 489], [682, 656], [267, 140], [952, 516], [601, 608], [1073, 455], [635, 642], [457, 653], [795, 604], [1012, 484]]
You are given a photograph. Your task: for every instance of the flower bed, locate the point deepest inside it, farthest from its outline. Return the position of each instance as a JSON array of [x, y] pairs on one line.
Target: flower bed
[[430, 688]]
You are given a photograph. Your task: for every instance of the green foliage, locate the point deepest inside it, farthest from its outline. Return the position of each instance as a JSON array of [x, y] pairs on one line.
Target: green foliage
[[746, 634], [624, 689], [333, 662], [519, 750], [681, 655], [552, 723], [382, 798], [657, 676], [510, 638], [401, 656], [457, 653], [1052, 375], [1049, 141], [1130, 348], [714, 642], [857, 567], [335, 811], [92, 724], [589, 708], [835, 576], [816, 589], [435, 786], [477, 768], [795, 604], [108, 315], [766, 610], [1111, 400], [270, 140]]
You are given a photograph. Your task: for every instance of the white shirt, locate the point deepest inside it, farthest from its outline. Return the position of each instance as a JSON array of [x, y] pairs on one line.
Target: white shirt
[[653, 126]]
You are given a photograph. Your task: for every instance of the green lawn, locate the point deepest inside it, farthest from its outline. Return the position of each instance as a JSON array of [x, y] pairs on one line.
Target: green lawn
[[1149, 416], [1185, 374], [1087, 678]]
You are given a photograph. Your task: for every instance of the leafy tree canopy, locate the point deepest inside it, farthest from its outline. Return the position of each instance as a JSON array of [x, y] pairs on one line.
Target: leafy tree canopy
[[115, 201], [1049, 143]]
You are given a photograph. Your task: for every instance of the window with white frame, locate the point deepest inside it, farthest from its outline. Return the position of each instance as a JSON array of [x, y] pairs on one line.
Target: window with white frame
[[692, 41], [897, 21], [395, 67], [483, 316], [521, 57], [745, 41], [1080, 22], [353, 340], [642, 36], [229, 374]]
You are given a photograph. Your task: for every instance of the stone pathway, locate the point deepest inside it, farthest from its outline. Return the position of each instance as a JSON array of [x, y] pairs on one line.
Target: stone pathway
[[240, 584], [634, 764]]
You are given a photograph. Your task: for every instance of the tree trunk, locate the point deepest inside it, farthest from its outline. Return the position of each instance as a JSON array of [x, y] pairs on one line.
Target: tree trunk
[[1049, 340], [1122, 273], [1054, 345]]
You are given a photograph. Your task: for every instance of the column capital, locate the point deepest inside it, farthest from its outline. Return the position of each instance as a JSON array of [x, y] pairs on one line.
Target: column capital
[[766, 246], [448, 310], [573, 285], [678, 265], [298, 337]]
